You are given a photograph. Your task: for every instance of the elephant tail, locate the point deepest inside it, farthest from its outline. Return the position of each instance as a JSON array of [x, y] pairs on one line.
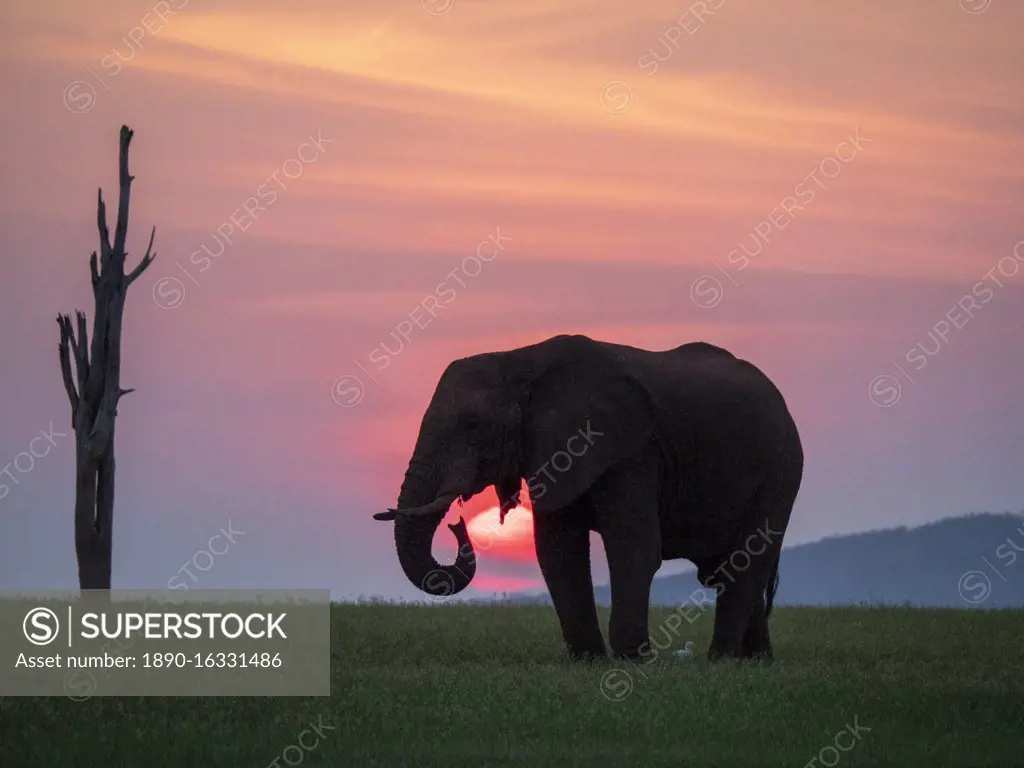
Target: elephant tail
[[770, 589]]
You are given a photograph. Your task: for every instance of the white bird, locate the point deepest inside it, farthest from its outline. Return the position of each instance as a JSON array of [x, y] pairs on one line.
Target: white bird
[[686, 653]]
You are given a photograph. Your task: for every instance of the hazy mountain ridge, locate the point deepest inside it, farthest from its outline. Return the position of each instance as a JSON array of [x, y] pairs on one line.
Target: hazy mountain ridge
[[962, 562]]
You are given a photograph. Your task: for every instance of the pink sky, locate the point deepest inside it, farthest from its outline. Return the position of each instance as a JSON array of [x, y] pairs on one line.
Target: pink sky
[[623, 196]]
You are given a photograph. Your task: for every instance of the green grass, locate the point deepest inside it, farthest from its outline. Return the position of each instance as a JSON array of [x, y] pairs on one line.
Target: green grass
[[488, 685]]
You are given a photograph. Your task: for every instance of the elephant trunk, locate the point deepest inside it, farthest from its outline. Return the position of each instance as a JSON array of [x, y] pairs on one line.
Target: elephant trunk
[[420, 511], [413, 539]]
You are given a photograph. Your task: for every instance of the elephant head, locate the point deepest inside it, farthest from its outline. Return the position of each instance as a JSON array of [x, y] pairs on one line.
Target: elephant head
[[497, 418]]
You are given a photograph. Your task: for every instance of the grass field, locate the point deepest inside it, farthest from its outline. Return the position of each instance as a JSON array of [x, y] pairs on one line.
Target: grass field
[[488, 685]]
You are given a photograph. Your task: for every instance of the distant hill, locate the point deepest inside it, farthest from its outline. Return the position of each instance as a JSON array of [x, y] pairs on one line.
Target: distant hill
[[963, 562]]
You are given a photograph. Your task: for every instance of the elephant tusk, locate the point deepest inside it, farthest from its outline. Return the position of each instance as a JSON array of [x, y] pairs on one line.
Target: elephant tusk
[[508, 506], [437, 507]]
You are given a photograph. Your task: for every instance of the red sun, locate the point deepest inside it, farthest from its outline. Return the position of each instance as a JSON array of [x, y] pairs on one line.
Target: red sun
[[512, 540]]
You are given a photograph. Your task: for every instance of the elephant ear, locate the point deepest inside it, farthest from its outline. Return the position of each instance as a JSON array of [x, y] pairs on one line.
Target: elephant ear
[[578, 420]]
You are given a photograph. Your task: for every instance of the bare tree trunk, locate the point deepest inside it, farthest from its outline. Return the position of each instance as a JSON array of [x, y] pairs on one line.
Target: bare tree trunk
[[92, 379]]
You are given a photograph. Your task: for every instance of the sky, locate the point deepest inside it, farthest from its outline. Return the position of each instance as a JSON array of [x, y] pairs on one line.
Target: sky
[[829, 190]]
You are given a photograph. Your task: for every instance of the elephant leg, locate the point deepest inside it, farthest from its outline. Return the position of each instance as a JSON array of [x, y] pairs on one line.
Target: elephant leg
[[741, 618], [626, 512], [734, 609], [562, 540], [756, 642]]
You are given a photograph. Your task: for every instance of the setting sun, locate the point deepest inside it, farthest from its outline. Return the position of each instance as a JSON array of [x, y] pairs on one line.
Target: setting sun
[[511, 539]]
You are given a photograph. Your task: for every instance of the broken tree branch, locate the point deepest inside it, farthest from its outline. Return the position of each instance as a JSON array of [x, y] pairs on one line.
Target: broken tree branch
[[81, 347], [65, 364], [101, 224], [147, 259], [125, 181]]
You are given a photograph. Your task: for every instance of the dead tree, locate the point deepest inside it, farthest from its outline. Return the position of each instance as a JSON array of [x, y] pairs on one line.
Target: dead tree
[[92, 378]]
